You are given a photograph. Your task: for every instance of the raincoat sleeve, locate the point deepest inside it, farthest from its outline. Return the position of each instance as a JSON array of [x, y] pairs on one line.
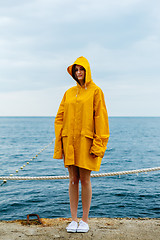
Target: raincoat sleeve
[[101, 125], [58, 124]]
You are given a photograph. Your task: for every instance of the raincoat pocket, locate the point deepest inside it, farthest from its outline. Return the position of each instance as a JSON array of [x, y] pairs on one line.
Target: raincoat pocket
[[64, 133], [87, 134], [86, 141], [64, 141]]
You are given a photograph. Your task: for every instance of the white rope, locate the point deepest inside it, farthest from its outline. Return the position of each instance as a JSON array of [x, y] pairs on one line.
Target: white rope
[[92, 175], [24, 165]]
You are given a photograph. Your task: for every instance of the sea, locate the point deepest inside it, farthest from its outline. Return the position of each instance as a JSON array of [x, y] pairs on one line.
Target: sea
[[134, 144]]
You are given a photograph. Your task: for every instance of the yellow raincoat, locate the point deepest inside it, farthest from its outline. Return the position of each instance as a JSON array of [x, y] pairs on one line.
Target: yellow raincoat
[[81, 124]]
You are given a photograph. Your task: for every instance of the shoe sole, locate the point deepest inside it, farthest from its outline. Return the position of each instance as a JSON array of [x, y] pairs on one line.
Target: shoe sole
[[82, 231], [71, 230]]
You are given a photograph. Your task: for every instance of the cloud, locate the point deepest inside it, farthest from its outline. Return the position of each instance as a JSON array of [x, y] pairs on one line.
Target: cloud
[[40, 38], [31, 102]]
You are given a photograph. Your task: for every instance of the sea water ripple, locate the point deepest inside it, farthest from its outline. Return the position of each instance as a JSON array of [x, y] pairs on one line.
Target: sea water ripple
[[134, 144]]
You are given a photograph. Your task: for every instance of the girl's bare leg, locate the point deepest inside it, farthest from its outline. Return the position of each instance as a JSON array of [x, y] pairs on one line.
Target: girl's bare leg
[[73, 190], [86, 192]]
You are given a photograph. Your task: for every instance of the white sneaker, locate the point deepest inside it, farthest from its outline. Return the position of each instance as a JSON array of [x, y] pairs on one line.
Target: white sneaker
[[72, 227], [83, 227]]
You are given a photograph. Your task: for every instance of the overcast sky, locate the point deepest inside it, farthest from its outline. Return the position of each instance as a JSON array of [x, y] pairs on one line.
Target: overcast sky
[[40, 38]]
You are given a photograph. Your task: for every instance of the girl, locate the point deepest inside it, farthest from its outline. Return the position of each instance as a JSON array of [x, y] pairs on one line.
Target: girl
[[82, 133]]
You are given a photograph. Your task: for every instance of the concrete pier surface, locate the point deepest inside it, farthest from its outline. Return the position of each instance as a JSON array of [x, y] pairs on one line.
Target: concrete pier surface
[[100, 229]]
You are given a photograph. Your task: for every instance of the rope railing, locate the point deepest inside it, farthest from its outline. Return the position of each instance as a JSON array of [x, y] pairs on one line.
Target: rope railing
[[33, 158], [145, 170], [28, 162], [11, 177]]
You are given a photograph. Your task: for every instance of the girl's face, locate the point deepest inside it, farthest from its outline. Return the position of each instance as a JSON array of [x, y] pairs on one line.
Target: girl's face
[[80, 73]]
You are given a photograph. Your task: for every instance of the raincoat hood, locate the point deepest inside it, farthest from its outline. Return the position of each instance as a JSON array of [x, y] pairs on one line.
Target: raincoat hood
[[84, 63]]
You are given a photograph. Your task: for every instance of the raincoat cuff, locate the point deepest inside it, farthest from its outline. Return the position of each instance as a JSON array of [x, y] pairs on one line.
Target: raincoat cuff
[[99, 146], [97, 153]]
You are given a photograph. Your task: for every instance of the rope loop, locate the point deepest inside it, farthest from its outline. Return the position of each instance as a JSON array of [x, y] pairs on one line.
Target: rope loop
[[92, 175]]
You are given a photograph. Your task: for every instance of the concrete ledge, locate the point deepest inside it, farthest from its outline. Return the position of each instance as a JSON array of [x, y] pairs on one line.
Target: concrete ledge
[[100, 229]]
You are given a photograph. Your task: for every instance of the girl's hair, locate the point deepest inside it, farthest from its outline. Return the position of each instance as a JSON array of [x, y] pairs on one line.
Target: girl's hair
[[73, 72]]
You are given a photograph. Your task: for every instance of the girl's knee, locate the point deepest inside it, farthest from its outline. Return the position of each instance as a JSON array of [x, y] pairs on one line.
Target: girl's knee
[[85, 181], [74, 180], [73, 174], [85, 177]]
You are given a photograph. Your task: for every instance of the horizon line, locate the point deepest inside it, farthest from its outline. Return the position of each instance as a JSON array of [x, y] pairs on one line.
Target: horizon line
[[55, 116]]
